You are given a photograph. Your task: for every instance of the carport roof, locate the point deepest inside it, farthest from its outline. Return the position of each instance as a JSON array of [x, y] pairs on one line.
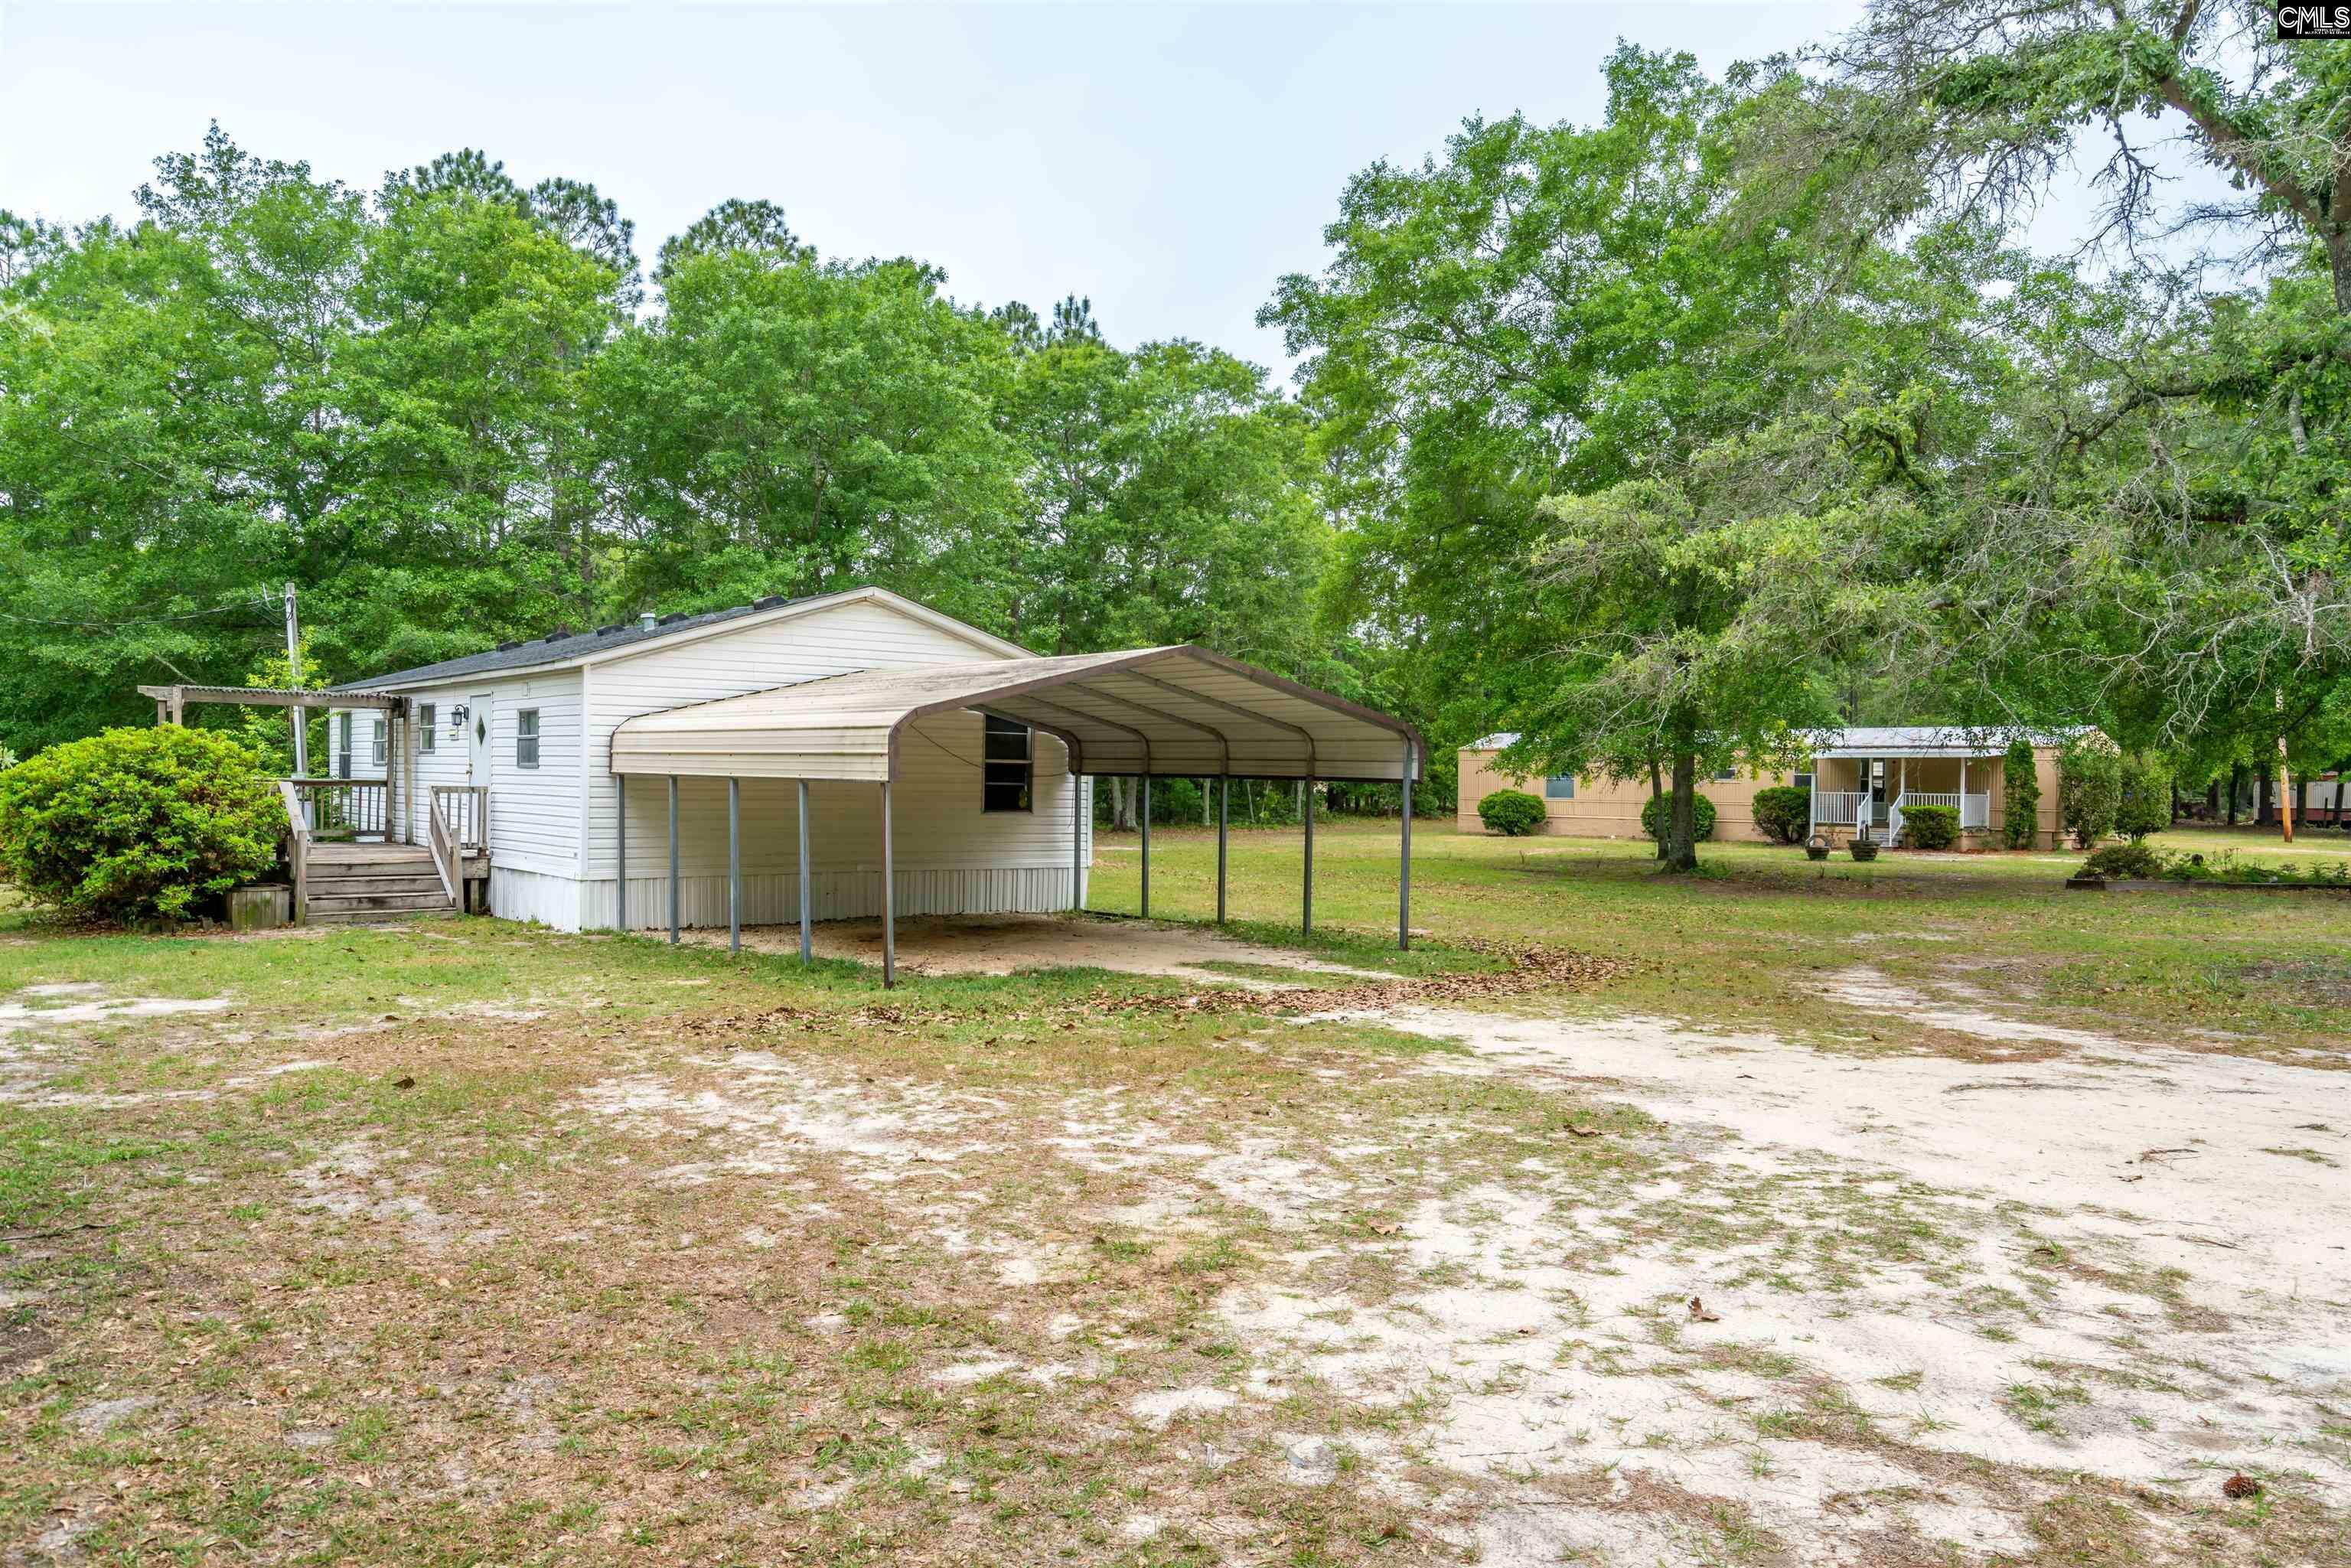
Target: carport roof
[[1177, 710]]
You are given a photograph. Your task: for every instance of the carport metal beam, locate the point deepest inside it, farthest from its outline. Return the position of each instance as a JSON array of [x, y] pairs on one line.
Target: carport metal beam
[[1306, 892], [1224, 805], [889, 898], [1404, 860], [807, 936], [734, 865]]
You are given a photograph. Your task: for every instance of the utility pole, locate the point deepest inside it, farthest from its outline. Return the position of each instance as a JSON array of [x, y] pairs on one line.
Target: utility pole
[[2286, 775], [300, 715]]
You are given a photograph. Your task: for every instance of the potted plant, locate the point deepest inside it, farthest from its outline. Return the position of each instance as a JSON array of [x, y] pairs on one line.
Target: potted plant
[[1817, 847], [1864, 847]]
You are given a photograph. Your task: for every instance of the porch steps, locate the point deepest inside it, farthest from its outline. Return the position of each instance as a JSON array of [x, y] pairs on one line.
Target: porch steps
[[353, 884]]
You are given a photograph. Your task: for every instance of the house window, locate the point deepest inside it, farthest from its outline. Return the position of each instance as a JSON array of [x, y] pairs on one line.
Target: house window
[[426, 715], [1006, 768], [1804, 780], [526, 737], [342, 746], [376, 740], [1726, 775], [1559, 787]]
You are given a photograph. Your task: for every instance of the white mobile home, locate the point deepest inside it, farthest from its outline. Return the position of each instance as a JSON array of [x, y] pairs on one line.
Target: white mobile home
[[851, 754]]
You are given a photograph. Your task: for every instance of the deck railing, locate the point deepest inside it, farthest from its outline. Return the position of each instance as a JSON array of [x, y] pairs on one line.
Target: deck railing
[[342, 807], [464, 808]]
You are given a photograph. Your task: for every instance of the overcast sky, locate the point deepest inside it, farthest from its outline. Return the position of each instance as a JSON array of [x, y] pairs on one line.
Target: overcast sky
[[1171, 162]]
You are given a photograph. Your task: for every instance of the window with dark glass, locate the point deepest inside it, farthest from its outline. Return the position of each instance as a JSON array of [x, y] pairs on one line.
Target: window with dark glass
[[526, 738], [1559, 787], [342, 746], [1007, 765], [376, 740]]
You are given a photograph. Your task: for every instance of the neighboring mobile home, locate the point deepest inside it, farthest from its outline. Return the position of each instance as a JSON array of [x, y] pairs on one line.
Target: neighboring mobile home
[[1852, 774]]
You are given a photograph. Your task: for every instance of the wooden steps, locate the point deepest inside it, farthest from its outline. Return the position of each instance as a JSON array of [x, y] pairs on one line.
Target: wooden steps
[[354, 884]]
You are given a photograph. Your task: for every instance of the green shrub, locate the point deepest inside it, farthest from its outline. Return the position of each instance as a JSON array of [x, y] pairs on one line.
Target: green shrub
[[2089, 789], [1930, 826], [134, 823], [1783, 813], [2132, 861], [1513, 813], [2021, 788], [1658, 813], [2143, 796]]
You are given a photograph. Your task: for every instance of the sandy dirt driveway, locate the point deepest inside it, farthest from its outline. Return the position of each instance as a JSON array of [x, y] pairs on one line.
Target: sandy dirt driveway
[[1825, 1307]]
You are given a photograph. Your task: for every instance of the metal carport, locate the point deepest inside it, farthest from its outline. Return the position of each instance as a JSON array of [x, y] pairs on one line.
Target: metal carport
[[1178, 711]]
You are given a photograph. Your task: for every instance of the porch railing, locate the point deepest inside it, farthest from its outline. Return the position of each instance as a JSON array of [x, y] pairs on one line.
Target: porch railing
[[298, 848], [341, 808], [1837, 808], [1975, 810], [465, 809]]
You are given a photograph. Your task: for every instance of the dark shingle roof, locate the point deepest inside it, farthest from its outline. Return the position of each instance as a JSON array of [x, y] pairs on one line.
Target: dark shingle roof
[[558, 649]]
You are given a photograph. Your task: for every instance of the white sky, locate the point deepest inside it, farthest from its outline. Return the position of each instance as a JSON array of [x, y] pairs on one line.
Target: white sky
[[1171, 162]]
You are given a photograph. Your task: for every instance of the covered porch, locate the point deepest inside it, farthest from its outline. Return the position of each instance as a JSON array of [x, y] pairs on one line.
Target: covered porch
[[1872, 789], [1175, 711]]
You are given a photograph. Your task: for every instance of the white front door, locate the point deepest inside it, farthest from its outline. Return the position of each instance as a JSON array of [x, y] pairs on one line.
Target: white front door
[[478, 729]]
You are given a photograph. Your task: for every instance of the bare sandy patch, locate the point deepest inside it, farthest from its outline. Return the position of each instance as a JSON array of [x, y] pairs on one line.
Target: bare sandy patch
[[1005, 943]]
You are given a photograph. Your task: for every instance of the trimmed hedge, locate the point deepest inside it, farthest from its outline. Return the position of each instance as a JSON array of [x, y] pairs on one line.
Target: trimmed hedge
[[1930, 826], [1658, 812], [1513, 813], [1783, 813], [2132, 861], [130, 824]]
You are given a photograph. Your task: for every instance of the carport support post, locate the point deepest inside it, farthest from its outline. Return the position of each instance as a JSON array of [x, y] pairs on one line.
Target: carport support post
[[734, 865], [1306, 904], [672, 859], [1144, 820], [1224, 801], [1404, 861], [1077, 843], [808, 946], [889, 898], [620, 852]]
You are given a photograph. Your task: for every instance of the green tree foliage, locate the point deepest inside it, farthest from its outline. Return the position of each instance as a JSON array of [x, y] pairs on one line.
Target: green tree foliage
[[135, 823], [1513, 813], [1614, 465], [450, 413], [2021, 792], [2089, 789], [1783, 813], [2161, 501]]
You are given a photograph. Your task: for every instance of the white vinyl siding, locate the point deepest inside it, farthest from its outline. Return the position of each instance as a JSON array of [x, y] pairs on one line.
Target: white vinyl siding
[[552, 839], [832, 642]]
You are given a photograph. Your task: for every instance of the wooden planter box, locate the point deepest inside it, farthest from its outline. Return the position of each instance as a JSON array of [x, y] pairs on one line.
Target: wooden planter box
[[264, 906]]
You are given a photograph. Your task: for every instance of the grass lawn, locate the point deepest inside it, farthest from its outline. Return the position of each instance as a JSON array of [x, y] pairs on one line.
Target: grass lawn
[[1919, 1212]]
